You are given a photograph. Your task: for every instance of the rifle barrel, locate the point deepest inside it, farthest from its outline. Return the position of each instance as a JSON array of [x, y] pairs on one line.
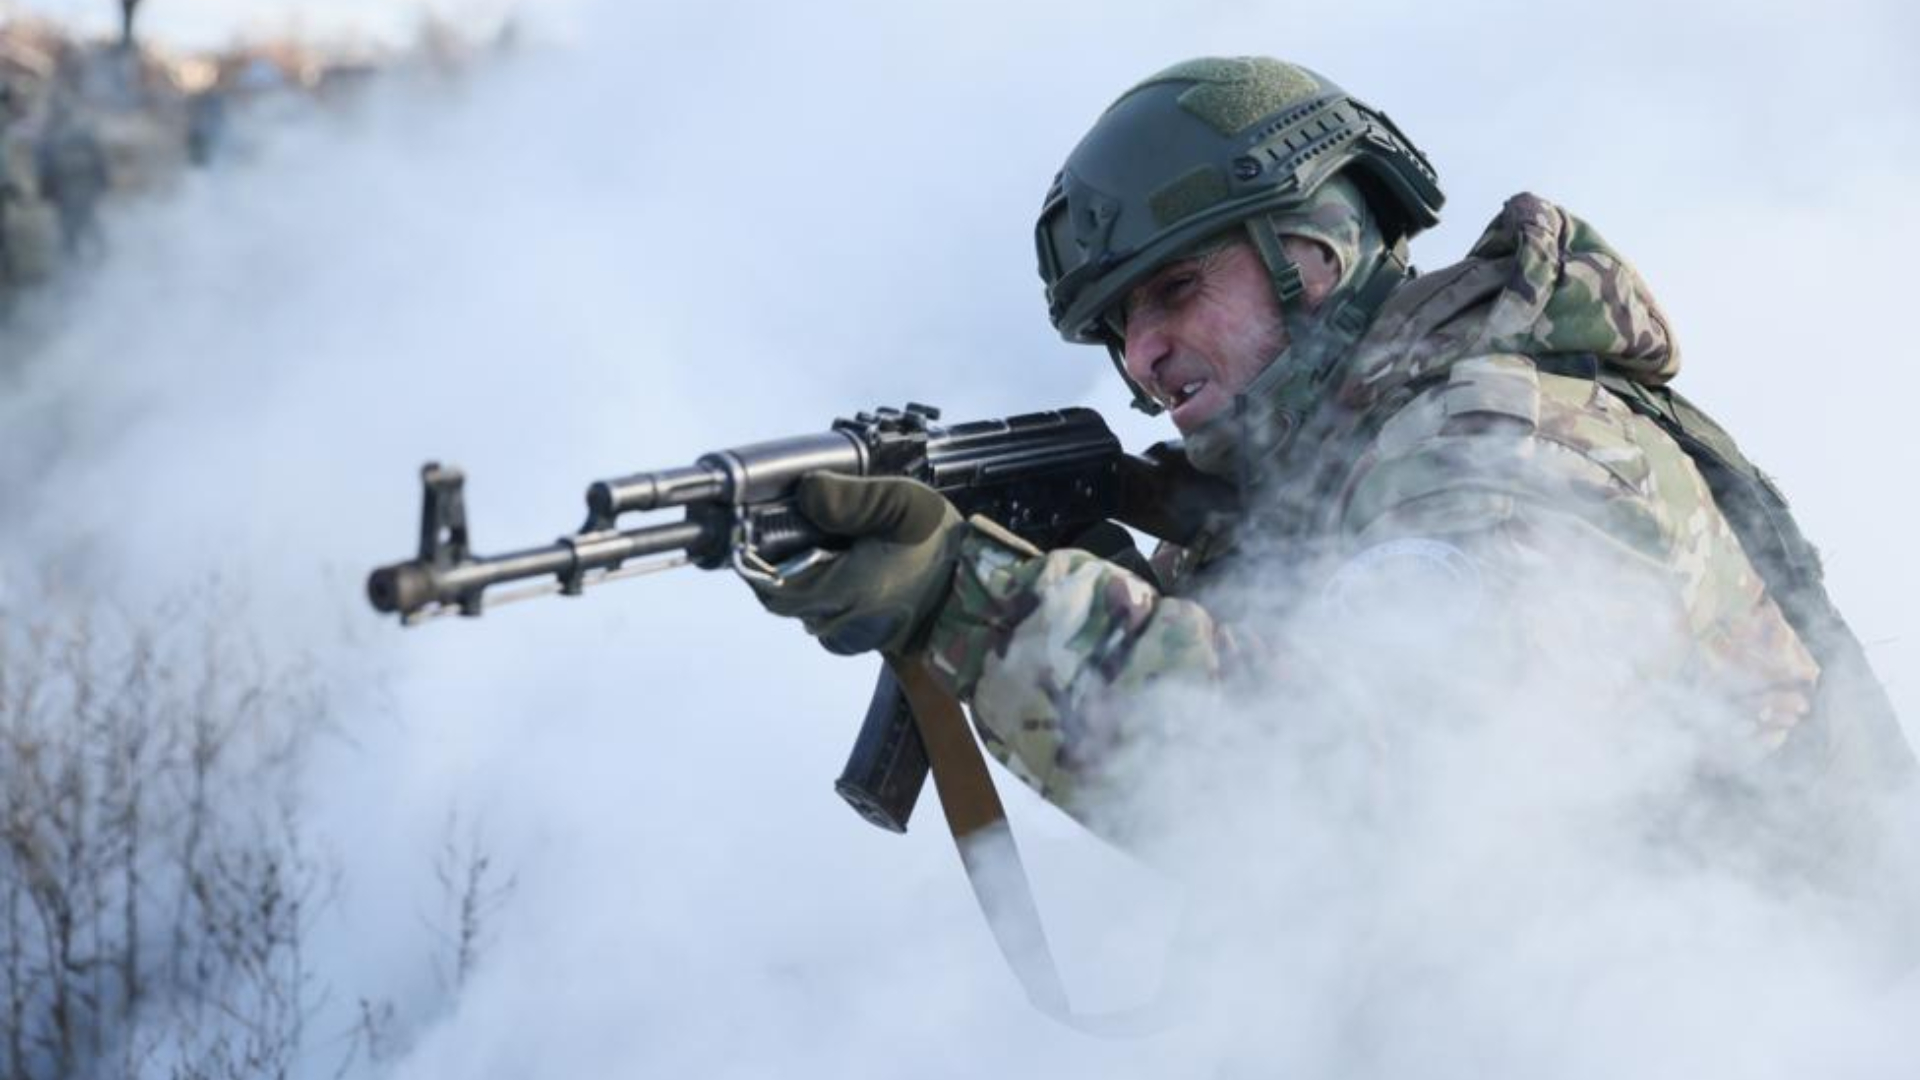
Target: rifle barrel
[[411, 586]]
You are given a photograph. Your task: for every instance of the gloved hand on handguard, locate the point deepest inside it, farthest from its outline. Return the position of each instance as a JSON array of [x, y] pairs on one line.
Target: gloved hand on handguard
[[884, 590]]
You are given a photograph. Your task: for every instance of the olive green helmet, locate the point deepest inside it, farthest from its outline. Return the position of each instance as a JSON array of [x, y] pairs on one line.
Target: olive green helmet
[[1197, 149]]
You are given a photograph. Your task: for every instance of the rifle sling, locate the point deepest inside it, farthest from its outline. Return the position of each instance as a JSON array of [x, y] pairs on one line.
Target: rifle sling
[[991, 858]]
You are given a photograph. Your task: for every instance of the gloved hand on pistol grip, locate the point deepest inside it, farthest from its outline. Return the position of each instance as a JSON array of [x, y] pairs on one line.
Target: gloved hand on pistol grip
[[883, 590]]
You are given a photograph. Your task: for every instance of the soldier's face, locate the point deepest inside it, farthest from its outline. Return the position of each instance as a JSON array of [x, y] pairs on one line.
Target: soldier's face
[[1200, 329]]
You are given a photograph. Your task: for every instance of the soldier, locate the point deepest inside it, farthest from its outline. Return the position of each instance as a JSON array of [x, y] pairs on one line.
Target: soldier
[[74, 177], [9, 192], [1234, 233], [206, 125]]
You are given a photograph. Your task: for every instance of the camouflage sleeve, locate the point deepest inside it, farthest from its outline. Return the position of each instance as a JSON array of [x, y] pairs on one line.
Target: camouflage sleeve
[[1045, 646], [1521, 469]]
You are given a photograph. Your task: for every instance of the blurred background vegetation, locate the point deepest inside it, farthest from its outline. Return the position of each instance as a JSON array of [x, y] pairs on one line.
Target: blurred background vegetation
[[157, 885]]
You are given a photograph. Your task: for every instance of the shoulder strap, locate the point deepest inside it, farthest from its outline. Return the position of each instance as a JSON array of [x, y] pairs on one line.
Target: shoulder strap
[[1856, 736], [978, 822]]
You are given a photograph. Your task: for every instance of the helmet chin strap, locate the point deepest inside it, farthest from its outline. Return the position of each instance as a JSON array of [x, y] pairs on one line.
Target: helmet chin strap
[[1241, 443]]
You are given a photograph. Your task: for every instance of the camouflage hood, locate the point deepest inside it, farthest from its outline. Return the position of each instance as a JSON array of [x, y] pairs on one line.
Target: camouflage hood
[[1539, 282]]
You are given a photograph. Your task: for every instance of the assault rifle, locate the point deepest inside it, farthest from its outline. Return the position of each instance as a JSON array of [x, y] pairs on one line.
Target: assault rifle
[[1055, 478]]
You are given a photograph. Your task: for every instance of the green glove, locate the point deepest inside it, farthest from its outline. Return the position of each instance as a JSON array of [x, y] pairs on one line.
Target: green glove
[[883, 591]]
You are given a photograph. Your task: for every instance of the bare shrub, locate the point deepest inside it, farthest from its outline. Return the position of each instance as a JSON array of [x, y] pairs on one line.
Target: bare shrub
[[155, 885], [472, 890]]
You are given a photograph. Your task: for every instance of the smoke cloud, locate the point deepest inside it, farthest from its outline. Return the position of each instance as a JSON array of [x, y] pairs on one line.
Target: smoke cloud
[[658, 231]]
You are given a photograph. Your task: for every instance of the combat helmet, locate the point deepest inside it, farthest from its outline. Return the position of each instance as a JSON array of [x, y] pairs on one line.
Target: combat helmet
[[1202, 147]]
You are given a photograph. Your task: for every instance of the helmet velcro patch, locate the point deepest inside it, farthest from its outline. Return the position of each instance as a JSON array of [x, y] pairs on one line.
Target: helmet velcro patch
[[1232, 93], [1233, 106], [1207, 69], [1186, 196]]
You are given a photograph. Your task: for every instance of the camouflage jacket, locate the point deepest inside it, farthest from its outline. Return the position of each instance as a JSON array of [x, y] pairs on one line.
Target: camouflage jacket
[[1446, 428]]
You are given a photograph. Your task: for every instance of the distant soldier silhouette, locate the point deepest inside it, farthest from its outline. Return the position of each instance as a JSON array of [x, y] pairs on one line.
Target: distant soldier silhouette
[[74, 177]]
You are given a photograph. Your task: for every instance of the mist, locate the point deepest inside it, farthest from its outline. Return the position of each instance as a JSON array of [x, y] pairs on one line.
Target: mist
[[659, 231]]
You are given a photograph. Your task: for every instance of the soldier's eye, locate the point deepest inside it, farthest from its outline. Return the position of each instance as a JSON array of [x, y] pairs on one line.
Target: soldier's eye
[[1160, 294], [1176, 287]]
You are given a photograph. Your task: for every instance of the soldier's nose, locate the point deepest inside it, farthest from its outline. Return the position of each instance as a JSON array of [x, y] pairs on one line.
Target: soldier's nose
[[1142, 351]]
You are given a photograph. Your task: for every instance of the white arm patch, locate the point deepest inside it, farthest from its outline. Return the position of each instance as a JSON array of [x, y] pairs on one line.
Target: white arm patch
[[1437, 578]]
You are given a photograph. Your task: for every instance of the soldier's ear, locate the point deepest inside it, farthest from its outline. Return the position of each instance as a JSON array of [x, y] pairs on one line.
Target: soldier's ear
[[1319, 267]]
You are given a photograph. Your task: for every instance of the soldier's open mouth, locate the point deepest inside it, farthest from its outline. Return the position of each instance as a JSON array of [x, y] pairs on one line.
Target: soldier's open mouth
[[1193, 403], [1184, 393]]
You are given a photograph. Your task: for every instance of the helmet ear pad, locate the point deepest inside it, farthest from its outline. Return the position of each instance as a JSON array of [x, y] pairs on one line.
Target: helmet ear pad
[[1335, 227], [1321, 268]]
